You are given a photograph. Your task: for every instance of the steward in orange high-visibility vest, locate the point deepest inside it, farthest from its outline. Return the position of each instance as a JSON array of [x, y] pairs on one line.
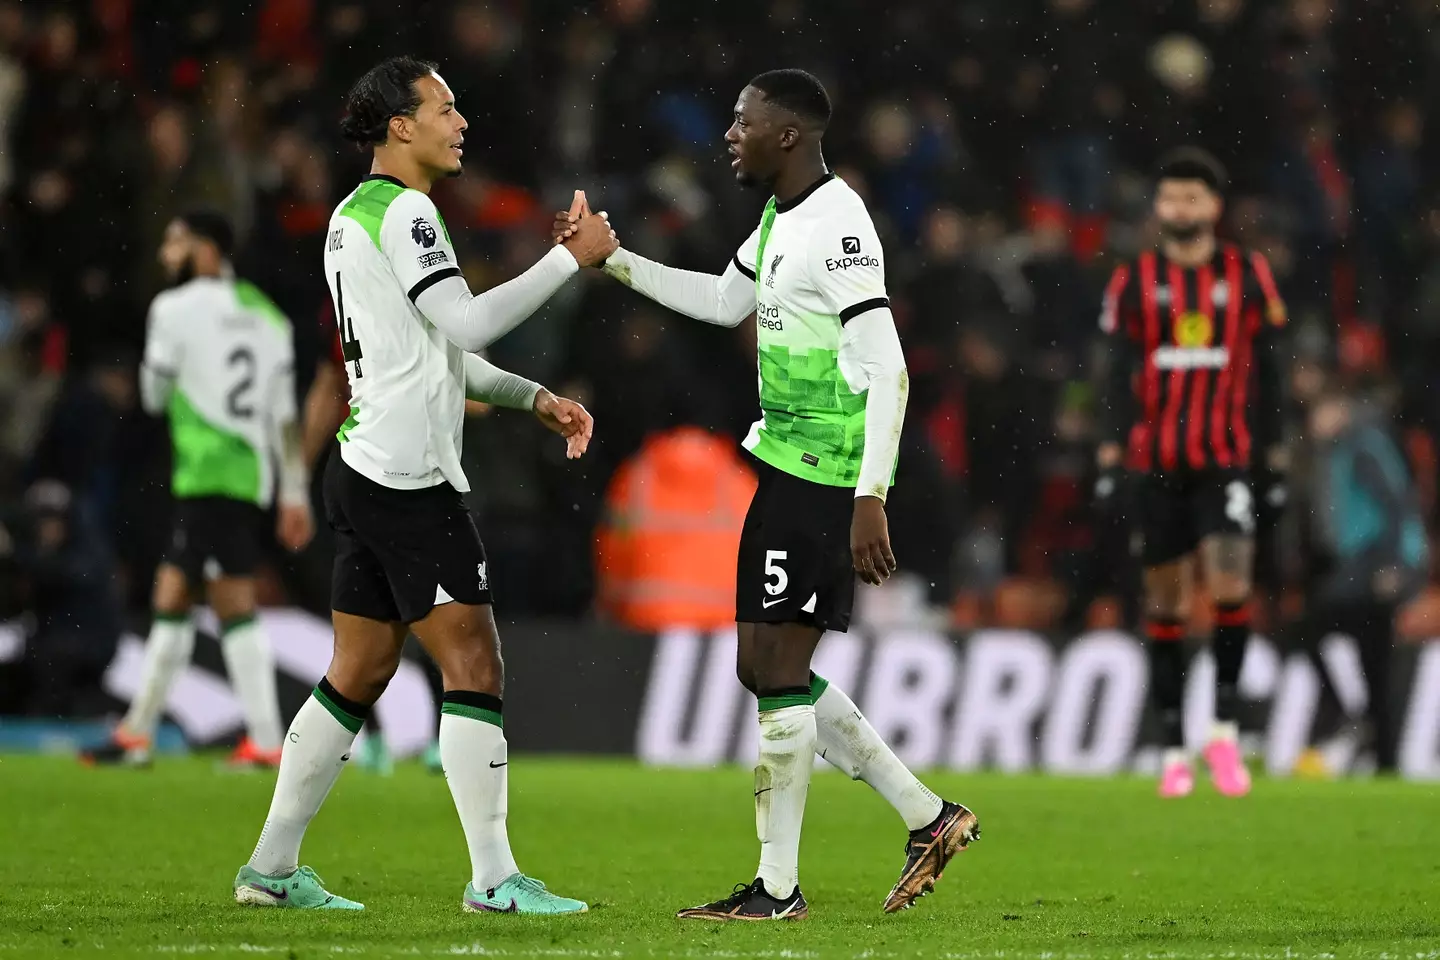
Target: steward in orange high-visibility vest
[[665, 550]]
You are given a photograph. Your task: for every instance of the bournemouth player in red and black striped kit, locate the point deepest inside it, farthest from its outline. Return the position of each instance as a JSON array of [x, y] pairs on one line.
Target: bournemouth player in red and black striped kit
[[1192, 408]]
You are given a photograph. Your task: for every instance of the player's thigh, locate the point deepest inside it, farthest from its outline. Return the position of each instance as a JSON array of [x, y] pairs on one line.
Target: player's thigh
[[1168, 587], [1225, 517], [745, 655], [366, 655], [464, 642], [782, 655], [1168, 530]]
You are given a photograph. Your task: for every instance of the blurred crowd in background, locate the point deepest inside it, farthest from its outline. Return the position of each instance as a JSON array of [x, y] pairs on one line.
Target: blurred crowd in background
[[1004, 148]]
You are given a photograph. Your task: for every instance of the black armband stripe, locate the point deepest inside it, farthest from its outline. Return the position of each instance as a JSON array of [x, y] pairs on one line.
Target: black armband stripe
[[742, 268], [430, 280], [864, 306]]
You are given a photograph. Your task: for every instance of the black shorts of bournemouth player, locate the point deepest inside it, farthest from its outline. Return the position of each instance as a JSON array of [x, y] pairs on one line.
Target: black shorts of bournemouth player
[[1192, 411], [833, 390], [408, 555]]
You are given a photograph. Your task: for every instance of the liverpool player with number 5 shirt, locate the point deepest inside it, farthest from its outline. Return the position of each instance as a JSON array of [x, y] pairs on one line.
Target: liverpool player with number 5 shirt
[[1192, 408]]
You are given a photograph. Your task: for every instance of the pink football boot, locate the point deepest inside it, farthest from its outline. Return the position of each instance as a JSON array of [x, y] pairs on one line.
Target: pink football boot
[[1227, 770], [1176, 780]]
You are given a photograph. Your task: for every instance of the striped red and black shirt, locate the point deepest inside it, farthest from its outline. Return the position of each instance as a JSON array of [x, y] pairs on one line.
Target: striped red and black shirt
[[1196, 379]]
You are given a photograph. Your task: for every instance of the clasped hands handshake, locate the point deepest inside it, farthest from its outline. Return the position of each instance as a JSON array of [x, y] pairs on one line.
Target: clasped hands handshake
[[588, 236]]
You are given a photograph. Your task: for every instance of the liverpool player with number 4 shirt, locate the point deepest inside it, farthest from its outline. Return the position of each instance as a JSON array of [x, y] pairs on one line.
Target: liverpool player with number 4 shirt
[[833, 388], [1192, 407], [407, 552]]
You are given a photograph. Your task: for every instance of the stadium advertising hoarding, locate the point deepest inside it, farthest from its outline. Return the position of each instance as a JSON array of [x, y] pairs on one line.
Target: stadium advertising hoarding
[[1001, 699]]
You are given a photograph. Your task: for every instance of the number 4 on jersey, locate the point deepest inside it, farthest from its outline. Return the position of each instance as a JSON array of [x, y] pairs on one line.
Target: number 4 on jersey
[[349, 346]]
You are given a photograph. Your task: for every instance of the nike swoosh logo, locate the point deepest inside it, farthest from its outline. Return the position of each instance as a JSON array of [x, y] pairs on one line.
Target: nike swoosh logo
[[482, 905], [493, 764], [767, 604], [939, 830], [763, 790], [282, 895]]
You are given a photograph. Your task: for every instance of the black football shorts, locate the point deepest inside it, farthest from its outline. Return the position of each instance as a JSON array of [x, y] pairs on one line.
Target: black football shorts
[[399, 553], [1178, 510], [794, 563]]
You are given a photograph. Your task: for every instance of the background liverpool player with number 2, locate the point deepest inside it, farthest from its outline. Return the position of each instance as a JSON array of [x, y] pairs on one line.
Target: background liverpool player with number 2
[[1191, 405]]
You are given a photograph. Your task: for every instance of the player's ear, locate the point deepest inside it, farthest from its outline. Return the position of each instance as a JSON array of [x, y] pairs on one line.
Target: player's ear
[[789, 137], [400, 128]]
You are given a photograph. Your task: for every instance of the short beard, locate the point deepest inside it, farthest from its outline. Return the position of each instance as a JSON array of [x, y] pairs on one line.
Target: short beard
[[1182, 232], [184, 274]]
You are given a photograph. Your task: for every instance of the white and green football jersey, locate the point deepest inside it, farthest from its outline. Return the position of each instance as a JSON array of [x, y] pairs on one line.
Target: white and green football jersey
[[387, 244], [816, 262], [228, 355]]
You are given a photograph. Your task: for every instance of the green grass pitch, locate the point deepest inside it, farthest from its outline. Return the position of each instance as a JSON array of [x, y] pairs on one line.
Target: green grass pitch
[[120, 863]]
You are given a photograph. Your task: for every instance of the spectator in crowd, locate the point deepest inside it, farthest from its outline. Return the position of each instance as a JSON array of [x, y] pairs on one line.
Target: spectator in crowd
[[1000, 145], [1368, 550], [69, 579]]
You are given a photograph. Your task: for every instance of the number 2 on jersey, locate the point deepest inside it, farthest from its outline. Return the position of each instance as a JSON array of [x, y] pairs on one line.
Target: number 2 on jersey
[[349, 345], [237, 400]]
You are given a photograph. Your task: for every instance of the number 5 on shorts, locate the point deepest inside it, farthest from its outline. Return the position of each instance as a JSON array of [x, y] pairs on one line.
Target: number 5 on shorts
[[772, 569]]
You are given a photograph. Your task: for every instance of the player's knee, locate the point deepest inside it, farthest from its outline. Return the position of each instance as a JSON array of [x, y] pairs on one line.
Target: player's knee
[[361, 680], [232, 598], [1166, 603], [171, 594], [1230, 589], [473, 664], [745, 673]]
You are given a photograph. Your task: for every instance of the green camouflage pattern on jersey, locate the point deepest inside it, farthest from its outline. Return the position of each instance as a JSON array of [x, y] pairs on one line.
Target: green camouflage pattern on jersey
[[813, 425]]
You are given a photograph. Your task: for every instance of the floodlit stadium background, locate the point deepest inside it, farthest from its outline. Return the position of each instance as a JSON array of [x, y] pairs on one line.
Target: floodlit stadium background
[[1003, 148]]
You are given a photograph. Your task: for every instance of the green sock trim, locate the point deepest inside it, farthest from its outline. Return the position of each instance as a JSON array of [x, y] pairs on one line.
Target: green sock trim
[[788, 700], [172, 617], [472, 713], [818, 685], [342, 716], [227, 625]]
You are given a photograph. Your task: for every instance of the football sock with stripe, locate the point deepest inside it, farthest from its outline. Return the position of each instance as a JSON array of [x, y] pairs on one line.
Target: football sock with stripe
[[167, 652], [476, 761], [1232, 633], [850, 743], [1165, 641], [251, 667], [782, 779], [316, 748]]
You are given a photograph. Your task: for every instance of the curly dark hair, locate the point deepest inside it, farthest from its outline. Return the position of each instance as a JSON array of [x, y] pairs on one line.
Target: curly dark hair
[[797, 91], [1192, 163], [387, 90]]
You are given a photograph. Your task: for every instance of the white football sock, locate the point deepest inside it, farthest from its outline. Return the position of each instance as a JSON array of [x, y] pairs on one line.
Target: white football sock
[[782, 779], [847, 740], [316, 749], [167, 652], [1172, 756], [251, 666], [476, 761], [1224, 730]]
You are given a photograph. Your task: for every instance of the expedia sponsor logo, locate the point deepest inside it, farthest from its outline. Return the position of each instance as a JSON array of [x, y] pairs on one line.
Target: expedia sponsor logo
[[768, 316], [845, 263], [1192, 358]]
